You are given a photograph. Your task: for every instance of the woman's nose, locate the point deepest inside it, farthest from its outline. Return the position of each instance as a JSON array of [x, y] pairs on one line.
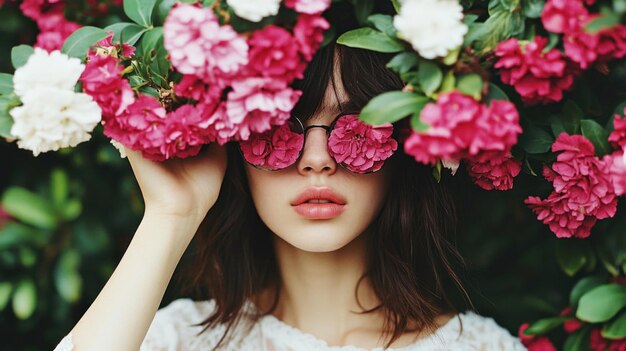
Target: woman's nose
[[315, 156]]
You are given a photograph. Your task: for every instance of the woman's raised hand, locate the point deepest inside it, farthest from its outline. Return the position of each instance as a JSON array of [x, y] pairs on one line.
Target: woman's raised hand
[[183, 188]]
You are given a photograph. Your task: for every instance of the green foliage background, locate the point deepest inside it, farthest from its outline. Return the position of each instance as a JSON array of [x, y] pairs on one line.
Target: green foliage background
[[82, 207]]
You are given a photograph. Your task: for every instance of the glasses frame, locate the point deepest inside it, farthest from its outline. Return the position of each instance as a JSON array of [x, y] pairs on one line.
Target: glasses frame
[[328, 128]]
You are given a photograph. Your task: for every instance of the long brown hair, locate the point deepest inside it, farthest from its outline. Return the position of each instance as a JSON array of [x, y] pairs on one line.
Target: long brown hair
[[411, 261]]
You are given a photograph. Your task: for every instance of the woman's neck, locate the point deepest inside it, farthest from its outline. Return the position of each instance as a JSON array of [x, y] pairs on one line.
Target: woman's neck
[[318, 291]]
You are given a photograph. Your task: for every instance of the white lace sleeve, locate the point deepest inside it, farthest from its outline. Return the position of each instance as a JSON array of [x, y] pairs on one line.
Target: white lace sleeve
[[483, 334], [171, 329]]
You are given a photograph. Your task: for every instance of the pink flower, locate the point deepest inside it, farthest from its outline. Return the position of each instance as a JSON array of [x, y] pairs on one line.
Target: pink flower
[[274, 53], [538, 76], [497, 172], [617, 171], [583, 191], [192, 87], [275, 149], [145, 126], [309, 34], [563, 16], [256, 104], [199, 45], [460, 127], [534, 343], [598, 343], [585, 48], [105, 47], [102, 79], [570, 325], [618, 135], [310, 7], [50, 18], [359, 146]]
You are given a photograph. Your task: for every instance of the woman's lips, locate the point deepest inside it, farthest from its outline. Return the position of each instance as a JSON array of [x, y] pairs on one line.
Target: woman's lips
[[319, 203]]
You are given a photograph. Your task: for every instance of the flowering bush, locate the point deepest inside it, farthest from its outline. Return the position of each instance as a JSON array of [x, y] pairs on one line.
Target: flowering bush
[[502, 89]]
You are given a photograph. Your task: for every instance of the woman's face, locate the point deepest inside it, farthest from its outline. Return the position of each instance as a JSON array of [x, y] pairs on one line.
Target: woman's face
[[311, 226]]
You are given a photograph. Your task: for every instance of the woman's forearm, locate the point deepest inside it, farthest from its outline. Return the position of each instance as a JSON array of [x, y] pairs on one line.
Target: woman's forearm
[[120, 316]]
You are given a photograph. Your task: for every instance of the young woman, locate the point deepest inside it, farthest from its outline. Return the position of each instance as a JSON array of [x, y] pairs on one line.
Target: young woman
[[307, 253]]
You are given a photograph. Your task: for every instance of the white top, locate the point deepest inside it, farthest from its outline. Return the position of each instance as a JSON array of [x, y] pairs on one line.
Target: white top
[[172, 330]]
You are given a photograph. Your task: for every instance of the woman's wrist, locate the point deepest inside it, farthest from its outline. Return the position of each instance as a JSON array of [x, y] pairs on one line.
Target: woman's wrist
[[176, 226]]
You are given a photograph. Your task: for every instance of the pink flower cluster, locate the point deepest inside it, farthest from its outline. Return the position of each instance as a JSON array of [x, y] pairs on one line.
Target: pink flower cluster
[[462, 128], [534, 343], [599, 343], [237, 85], [494, 173], [50, 18], [583, 189], [102, 79], [359, 146], [538, 76], [274, 149], [568, 17], [541, 76]]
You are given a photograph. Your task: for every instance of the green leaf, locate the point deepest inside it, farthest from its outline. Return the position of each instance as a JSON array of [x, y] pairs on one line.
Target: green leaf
[[150, 41], [383, 23], [24, 299], [5, 294], [543, 326], [71, 210], [429, 76], [362, 9], [6, 121], [131, 34], [532, 8], [597, 135], [396, 5], [470, 84], [499, 26], [571, 255], [601, 303], [6, 83], [140, 11], [615, 329], [20, 54], [417, 124], [391, 106], [370, 39], [403, 62], [78, 44], [578, 341], [571, 117], [535, 140], [29, 208], [584, 285], [606, 21], [163, 9], [118, 28], [59, 185], [67, 279], [495, 93]]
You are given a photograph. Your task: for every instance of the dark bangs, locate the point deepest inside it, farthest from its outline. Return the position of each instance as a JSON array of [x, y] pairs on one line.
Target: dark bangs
[[411, 258]]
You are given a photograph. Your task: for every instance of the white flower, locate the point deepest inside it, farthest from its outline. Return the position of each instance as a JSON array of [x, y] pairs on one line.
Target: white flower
[[50, 119], [433, 27], [254, 10], [43, 69]]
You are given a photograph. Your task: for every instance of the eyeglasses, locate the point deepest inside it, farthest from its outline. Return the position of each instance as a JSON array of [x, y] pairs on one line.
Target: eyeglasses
[[355, 145]]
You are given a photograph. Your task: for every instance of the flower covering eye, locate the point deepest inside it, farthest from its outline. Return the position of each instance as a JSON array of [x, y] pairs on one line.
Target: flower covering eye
[[360, 147], [357, 146], [275, 149]]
